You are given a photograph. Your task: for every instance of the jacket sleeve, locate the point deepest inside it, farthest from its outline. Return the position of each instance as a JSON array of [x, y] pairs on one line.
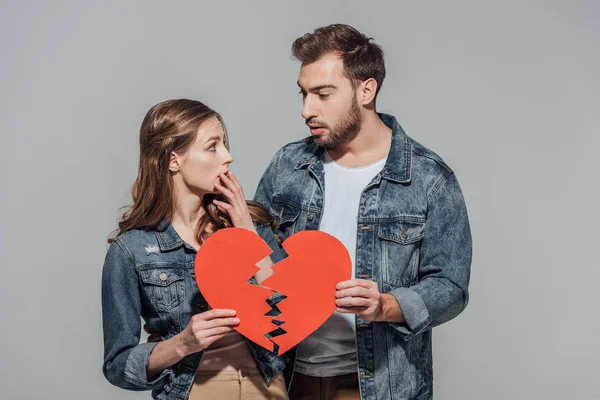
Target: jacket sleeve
[[445, 262], [266, 233], [264, 190], [125, 359]]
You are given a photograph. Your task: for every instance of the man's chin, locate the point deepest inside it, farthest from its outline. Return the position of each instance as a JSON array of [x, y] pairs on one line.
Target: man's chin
[[324, 141]]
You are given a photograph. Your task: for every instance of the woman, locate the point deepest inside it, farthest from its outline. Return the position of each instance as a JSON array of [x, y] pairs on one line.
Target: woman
[[184, 191]]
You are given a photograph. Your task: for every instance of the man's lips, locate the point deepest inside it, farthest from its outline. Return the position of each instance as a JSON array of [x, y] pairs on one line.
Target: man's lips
[[316, 130]]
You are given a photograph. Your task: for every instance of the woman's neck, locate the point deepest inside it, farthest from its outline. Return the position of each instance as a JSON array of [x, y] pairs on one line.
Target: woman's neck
[[188, 209]]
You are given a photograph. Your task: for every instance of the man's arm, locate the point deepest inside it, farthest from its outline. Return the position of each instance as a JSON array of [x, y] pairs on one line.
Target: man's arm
[[264, 190], [444, 269], [442, 291]]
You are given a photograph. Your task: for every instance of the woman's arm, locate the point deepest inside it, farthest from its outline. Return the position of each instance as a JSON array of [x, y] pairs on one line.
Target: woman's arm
[[202, 330], [125, 359], [146, 366]]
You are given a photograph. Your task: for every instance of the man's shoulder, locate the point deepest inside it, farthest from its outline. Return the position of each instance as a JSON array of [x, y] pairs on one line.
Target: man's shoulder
[[424, 157], [301, 144], [297, 150]]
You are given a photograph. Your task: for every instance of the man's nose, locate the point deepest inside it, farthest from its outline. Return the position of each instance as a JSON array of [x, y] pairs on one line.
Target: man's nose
[[308, 110]]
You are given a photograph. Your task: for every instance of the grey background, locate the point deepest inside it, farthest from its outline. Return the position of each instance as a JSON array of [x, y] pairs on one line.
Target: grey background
[[506, 91]]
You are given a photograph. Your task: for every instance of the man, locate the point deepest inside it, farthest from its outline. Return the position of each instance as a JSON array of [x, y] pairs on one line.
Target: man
[[395, 205]]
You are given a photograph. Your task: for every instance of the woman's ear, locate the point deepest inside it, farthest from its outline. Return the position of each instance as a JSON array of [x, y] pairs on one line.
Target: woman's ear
[[174, 162]]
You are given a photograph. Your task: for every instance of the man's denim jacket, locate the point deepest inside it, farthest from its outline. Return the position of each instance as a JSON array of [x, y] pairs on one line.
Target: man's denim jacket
[[413, 239], [150, 273]]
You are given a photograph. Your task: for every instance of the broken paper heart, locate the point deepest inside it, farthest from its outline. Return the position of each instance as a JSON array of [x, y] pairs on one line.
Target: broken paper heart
[[307, 278]]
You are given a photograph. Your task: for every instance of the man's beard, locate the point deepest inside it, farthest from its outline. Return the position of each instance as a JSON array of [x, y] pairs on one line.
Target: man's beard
[[344, 131]]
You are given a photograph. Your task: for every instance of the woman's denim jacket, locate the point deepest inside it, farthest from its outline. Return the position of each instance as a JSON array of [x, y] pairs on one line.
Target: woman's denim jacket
[[150, 273]]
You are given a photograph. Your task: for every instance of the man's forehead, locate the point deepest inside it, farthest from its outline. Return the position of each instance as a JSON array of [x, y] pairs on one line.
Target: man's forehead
[[325, 70]]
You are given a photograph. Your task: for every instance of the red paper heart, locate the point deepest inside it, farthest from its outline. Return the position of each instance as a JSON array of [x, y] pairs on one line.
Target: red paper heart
[[316, 262]]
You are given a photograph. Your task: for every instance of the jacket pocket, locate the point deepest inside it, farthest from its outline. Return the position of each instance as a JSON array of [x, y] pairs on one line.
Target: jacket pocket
[[165, 286], [286, 214], [400, 241]]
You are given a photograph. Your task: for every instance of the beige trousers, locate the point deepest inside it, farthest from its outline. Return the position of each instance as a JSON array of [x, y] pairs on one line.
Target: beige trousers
[[236, 385]]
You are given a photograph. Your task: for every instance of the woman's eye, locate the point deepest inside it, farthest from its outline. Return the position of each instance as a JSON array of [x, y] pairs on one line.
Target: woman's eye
[[212, 148]]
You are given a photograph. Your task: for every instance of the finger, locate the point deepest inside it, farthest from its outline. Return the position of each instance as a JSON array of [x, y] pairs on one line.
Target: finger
[[355, 310], [231, 176], [230, 185], [210, 335], [356, 291], [356, 282], [217, 322], [228, 182], [215, 313], [225, 191], [225, 207], [207, 333], [206, 342], [223, 204], [352, 302], [235, 189]]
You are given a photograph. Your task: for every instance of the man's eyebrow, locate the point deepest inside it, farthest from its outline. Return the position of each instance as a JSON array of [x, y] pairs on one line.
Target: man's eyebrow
[[317, 88]]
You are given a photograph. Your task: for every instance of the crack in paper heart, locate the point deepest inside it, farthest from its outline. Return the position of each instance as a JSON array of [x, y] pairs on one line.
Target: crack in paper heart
[[305, 282]]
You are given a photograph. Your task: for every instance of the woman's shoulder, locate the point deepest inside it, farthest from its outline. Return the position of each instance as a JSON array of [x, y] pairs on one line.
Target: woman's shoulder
[[137, 241]]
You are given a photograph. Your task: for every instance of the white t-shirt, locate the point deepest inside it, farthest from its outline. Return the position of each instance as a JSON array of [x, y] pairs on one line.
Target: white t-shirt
[[331, 349]]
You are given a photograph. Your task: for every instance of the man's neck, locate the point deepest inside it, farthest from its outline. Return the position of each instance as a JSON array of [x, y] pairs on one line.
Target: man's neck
[[371, 144]]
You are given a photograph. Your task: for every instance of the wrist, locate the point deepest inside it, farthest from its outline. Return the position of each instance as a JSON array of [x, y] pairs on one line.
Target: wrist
[[390, 309], [181, 349], [250, 226]]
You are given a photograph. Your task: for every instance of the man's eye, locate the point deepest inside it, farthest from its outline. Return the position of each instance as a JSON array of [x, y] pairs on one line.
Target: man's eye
[[323, 95], [302, 93]]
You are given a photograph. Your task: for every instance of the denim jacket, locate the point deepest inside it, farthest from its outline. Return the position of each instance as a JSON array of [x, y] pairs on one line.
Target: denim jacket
[[150, 273], [413, 239]]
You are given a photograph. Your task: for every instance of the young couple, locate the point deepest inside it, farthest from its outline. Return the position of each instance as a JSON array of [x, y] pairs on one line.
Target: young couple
[[394, 204]]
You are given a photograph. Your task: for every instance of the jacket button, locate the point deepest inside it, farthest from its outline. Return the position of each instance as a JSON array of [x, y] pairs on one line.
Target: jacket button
[[310, 217], [163, 276]]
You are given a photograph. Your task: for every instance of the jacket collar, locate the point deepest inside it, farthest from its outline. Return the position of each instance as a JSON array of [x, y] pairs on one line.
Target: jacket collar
[[398, 165]]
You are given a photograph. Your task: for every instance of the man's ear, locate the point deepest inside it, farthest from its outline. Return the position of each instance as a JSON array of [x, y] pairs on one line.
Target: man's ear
[[368, 90]]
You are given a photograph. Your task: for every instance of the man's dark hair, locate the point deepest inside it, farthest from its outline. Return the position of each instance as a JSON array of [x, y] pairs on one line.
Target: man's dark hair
[[363, 59]]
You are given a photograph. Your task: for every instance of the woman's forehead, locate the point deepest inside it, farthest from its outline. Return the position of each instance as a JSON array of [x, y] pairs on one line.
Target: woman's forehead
[[211, 127]]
